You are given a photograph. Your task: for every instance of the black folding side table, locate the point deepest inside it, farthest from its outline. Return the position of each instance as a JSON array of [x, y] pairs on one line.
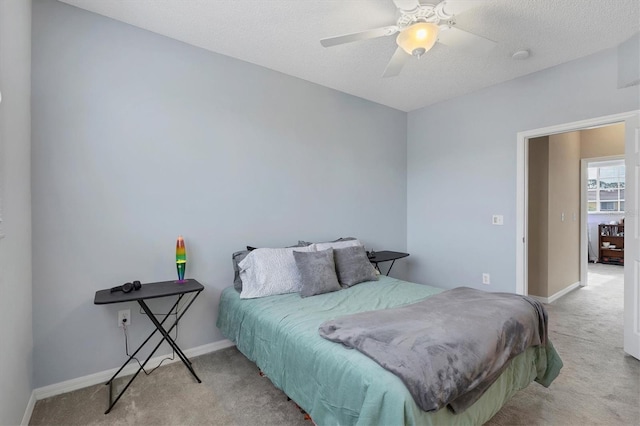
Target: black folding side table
[[152, 291], [386, 256]]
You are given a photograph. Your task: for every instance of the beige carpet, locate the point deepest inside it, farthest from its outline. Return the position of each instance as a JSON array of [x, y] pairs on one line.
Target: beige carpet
[[599, 384]]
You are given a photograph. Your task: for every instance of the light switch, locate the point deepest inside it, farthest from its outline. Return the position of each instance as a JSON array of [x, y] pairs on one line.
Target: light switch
[[498, 219]]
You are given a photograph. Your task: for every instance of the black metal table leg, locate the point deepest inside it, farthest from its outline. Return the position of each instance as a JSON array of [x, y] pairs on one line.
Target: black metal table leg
[[165, 337], [168, 338], [143, 343], [112, 402], [389, 270]]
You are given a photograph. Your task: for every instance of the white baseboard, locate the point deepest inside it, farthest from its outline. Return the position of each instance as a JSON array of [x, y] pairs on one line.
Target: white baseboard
[[131, 368], [558, 295], [29, 410]]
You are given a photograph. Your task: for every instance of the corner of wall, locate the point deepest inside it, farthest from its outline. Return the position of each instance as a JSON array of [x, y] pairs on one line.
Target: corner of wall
[[16, 374]]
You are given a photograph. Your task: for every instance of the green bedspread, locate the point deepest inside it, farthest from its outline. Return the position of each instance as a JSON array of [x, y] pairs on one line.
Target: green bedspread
[[336, 385]]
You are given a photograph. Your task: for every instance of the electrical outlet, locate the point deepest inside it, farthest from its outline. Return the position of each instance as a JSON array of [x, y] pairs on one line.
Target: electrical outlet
[[124, 317], [486, 278]]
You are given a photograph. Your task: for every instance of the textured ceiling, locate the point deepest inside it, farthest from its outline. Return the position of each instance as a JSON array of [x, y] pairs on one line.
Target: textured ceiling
[[284, 35]]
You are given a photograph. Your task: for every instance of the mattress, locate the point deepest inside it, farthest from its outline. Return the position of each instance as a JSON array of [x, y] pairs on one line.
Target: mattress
[[336, 385]]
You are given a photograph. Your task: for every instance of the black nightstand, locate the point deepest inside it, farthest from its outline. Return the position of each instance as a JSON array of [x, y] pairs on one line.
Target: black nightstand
[[385, 256], [152, 291]]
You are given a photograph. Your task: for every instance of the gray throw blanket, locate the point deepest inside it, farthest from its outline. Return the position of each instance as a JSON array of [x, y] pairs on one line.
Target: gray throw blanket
[[447, 349]]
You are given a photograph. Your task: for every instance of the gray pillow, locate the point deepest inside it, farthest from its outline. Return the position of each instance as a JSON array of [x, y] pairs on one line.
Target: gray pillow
[[353, 266], [318, 272], [236, 258]]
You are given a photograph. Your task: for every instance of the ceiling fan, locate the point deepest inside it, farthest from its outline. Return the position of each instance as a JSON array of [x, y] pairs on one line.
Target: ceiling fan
[[420, 26]]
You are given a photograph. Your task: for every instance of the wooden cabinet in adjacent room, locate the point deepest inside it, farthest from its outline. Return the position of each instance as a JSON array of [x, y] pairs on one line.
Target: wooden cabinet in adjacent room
[[611, 244]]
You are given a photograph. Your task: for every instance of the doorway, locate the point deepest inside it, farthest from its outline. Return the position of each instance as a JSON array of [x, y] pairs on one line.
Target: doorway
[[631, 121], [574, 178]]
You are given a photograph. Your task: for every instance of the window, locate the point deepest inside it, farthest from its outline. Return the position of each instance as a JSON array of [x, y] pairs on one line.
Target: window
[[605, 187]]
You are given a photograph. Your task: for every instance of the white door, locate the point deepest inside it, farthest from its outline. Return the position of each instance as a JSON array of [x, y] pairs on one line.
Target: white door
[[632, 238]]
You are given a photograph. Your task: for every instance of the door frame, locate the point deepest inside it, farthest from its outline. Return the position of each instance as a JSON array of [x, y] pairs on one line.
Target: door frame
[[522, 187]]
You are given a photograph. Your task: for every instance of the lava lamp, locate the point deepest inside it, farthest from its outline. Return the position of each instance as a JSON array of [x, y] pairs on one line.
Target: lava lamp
[[181, 258]]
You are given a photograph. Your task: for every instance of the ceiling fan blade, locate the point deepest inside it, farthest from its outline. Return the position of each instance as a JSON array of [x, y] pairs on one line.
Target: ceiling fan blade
[[362, 35], [396, 63], [456, 7], [406, 4], [463, 40]]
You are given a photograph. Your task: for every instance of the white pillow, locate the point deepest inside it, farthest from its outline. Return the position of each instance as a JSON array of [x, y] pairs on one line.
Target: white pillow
[[270, 271], [336, 245]]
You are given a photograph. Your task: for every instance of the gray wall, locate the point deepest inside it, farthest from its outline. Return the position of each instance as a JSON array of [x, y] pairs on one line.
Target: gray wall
[[629, 62], [462, 166], [138, 138], [15, 203], [564, 212], [538, 217]]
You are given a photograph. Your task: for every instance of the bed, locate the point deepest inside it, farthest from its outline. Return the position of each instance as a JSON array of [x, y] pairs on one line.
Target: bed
[[336, 385]]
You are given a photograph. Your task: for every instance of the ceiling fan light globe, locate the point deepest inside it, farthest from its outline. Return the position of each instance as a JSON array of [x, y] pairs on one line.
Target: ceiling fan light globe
[[418, 38]]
